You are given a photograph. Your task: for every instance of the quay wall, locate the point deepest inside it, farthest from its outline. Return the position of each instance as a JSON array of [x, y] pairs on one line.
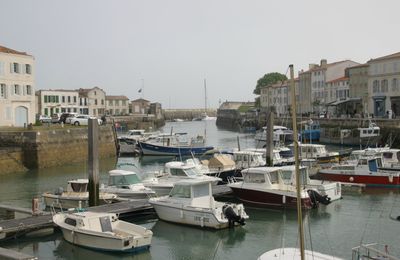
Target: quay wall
[[11, 160], [147, 122], [42, 148]]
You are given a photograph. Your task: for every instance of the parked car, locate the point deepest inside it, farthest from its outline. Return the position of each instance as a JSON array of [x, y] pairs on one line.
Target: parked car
[[66, 117], [44, 119], [83, 120], [55, 118]]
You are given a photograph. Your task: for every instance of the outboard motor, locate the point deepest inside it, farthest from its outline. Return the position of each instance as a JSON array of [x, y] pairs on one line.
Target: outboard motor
[[316, 197], [231, 215]]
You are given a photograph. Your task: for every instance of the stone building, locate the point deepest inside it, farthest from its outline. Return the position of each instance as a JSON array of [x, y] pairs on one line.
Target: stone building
[[358, 86], [276, 96], [384, 86], [139, 106], [17, 88], [117, 105], [95, 98]]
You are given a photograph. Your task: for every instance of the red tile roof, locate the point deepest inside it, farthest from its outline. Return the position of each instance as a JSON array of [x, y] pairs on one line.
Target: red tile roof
[[11, 51]]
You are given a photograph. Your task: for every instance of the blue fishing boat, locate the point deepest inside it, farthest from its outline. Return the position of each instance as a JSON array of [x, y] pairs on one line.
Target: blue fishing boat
[[311, 132], [174, 145]]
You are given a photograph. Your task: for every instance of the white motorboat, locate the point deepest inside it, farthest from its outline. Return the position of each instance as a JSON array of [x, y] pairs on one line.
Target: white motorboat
[[76, 196], [317, 152], [126, 184], [191, 202], [333, 190], [102, 231], [281, 134], [172, 173], [264, 187], [248, 159]]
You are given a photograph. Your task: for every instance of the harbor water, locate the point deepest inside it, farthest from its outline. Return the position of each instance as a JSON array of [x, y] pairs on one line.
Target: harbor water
[[361, 217]]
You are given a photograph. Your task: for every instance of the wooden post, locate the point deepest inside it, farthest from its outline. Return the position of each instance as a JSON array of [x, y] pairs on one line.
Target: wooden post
[[93, 155], [270, 138]]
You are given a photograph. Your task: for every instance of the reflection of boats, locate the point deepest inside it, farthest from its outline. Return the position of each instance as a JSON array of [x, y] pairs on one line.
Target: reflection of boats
[[126, 184], [174, 145], [191, 202], [172, 173], [76, 196], [102, 231]]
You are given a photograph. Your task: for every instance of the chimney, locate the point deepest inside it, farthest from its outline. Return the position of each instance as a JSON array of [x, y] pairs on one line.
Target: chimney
[[324, 62]]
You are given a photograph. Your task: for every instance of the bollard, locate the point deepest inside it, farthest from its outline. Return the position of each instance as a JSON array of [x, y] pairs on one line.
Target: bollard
[[35, 206]]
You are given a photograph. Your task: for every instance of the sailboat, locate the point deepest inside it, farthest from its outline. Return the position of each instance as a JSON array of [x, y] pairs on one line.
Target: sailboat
[[296, 253], [204, 116]]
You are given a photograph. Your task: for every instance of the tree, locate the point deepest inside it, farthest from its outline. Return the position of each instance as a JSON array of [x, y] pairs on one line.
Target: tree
[[268, 79]]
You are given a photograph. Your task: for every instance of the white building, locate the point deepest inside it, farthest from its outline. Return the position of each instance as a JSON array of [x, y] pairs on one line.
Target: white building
[[384, 86], [276, 96], [57, 101], [117, 105], [337, 89], [320, 74], [17, 95], [95, 99]]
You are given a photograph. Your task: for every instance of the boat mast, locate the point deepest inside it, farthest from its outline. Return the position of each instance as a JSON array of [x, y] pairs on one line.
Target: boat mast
[[205, 96], [296, 157]]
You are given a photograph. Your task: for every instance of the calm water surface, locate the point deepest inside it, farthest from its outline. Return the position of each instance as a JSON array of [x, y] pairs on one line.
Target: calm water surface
[[360, 217]]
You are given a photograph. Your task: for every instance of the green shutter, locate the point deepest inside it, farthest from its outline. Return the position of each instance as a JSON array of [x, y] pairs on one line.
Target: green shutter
[[46, 111]]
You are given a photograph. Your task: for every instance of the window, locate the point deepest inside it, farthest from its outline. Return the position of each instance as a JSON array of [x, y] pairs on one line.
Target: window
[[17, 90], [15, 67], [95, 101], [63, 99], [95, 93], [102, 101], [70, 221], [3, 91], [394, 84], [28, 89], [74, 99], [28, 69], [110, 103], [46, 111], [69, 99]]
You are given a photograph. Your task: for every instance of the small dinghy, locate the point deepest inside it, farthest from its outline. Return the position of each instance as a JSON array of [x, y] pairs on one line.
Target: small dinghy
[[102, 231]]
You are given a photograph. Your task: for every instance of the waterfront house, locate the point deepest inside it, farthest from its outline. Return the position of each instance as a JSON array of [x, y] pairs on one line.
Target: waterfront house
[[358, 86], [117, 105], [383, 85], [17, 81], [304, 92], [57, 101], [139, 106], [95, 100], [276, 96]]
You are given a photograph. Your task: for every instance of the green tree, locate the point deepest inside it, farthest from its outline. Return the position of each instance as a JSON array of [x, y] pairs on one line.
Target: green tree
[[268, 79]]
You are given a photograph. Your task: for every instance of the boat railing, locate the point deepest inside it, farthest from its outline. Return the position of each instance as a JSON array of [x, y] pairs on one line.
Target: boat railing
[[232, 179], [370, 251]]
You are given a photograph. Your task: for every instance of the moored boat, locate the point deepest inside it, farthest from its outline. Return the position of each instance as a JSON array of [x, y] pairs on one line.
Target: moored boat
[[102, 231], [76, 196], [191, 202]]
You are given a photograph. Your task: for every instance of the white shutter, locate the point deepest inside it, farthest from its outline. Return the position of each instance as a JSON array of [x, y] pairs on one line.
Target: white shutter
[[11, 68], [23, 90], [23, 68]]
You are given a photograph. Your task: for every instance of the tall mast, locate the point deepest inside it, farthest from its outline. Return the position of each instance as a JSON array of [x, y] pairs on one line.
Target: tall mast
[[296, 158], [205, 96]]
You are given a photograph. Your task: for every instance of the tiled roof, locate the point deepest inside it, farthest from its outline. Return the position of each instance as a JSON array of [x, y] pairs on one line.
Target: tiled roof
[[387, 57], [117, 98], [140, 100], [338, 79], [359, 66], [11, 51]]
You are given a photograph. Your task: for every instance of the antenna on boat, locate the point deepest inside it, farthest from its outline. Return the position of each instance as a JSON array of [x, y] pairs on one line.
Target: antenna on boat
[[296, 157]]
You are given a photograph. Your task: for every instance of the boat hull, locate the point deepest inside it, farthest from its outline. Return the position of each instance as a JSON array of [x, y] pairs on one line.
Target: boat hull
[[103, 243], [152, 149], [264, 199], [369, 180], [187, 216]]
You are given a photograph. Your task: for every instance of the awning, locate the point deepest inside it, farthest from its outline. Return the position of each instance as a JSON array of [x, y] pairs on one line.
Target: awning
[[339, 102]]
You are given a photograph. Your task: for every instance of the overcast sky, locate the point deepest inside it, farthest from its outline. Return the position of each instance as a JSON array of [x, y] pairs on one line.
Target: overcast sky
[[171, 46]]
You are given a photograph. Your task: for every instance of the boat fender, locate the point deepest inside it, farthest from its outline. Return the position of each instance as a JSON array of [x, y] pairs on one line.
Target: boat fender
[[318, 198], [232, 216]]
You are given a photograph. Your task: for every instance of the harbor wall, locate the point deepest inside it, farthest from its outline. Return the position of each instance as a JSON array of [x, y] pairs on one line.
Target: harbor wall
[[44, 148], [187, 114], [11, 160]]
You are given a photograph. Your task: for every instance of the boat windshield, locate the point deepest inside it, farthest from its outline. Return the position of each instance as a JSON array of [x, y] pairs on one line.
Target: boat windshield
[[180, 191], [254, 178], [79, 187], [191, 172], [123, 180], [289, 176]]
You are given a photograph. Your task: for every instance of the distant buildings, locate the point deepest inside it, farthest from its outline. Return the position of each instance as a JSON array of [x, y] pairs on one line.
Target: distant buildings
[[344, 88], [17, 88], [117, 105]]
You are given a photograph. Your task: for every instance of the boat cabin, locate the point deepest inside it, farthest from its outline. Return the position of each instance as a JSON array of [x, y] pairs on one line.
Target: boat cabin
[[78, 185], [122, 178], [181, 169], [198, 192], [269, 176], [289, 176], [248, 159], [371, 131]]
